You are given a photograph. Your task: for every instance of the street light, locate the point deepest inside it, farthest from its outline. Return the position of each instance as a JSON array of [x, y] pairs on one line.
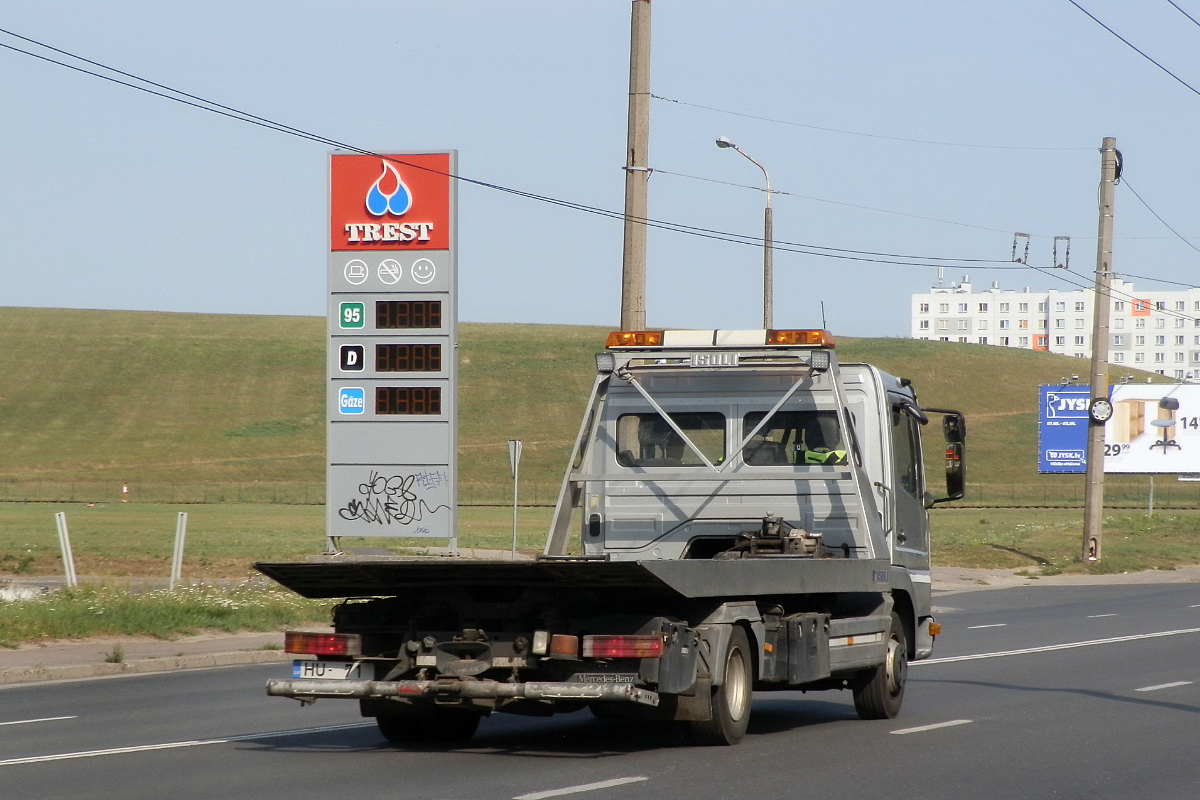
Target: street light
[[768, 279]]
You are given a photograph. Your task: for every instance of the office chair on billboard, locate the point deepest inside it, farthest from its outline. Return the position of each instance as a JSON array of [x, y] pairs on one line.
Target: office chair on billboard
[[1166, 423]]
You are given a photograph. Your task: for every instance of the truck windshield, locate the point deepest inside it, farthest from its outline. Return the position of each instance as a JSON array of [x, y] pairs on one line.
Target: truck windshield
[[646, 440], [794, 438]]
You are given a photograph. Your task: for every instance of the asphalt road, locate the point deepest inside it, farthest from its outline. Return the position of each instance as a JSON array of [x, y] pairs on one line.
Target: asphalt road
[[1002, 711]]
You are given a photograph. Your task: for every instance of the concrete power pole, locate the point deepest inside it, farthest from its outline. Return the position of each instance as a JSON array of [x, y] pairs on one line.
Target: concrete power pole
[[1093, 504], [637, 173]]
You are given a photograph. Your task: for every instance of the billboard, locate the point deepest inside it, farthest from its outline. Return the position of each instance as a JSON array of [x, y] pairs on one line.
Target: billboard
[[1155, 428], [391, 403], [1062, 429]]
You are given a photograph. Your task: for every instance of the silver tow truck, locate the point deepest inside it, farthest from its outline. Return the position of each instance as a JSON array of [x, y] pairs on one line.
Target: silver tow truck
[[740, 513]]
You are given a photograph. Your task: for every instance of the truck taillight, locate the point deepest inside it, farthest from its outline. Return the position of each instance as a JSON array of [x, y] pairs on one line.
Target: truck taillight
[[603, 646], [322, 644]]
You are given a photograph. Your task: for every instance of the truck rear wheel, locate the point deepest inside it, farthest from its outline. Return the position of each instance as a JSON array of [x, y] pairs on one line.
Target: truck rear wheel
[[731, 700], [446, 726], [880, 696]]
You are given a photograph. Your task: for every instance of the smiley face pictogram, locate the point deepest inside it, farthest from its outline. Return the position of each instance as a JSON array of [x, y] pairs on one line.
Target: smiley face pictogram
[[423, 271]]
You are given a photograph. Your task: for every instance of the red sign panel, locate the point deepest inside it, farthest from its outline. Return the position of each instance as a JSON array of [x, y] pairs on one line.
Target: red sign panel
[[398, 202]]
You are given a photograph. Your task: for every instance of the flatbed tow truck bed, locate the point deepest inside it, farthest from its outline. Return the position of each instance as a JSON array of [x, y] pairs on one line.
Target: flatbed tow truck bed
[[750, 577]]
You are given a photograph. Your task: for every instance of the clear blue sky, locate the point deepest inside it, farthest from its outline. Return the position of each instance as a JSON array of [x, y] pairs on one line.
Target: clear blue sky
[[112, 198]]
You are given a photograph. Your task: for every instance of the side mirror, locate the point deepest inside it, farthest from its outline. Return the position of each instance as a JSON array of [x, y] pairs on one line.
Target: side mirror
[[954, 430]]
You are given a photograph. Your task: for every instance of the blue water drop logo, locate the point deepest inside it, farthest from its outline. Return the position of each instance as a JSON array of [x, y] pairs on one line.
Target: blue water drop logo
[[389, 194]]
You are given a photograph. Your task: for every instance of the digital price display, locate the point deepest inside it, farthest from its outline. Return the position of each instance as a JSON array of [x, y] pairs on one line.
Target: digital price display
[[408, 400], [393, 314], [408, 358]]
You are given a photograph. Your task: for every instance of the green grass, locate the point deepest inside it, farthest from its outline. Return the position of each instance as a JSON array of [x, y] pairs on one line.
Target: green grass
[[1049, 541], [104, 611], [134, 540]]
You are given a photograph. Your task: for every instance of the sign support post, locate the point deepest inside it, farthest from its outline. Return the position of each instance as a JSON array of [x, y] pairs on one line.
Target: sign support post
[[514, 462], [64, 544]]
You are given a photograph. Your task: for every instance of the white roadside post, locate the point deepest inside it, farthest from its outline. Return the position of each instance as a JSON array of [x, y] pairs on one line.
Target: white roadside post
[[177, 560], [514, 461], [64, 543]]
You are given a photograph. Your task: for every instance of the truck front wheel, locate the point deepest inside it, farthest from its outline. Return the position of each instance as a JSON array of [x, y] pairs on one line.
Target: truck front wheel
[[731, 700], [880, 695]]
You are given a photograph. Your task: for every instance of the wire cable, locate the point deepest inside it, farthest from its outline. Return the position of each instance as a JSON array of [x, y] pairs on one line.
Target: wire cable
[[1133, 47], [195, 101], [837, 202], [1181, 11], [1125, 180], [859, 133]]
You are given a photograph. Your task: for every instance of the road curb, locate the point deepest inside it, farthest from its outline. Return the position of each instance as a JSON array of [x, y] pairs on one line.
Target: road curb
[[142, 666]]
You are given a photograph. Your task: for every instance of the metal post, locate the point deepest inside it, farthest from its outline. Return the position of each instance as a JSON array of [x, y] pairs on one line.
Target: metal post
[[514, 461], [177, 560], [1093, 504], [1150, 509], [637, 172], [768, 274], [64, 544]]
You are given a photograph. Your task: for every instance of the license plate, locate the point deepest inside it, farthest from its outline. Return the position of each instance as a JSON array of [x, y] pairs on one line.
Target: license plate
[[327, 670]]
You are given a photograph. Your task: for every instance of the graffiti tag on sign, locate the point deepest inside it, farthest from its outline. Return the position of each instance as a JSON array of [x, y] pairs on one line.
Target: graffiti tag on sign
[[391, 500]]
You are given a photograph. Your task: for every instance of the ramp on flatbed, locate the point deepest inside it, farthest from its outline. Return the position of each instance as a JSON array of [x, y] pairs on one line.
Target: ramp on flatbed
[[750, 577]]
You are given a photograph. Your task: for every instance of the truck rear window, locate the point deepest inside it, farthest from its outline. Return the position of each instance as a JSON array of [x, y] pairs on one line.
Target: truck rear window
[[647, 440], [811, 438]]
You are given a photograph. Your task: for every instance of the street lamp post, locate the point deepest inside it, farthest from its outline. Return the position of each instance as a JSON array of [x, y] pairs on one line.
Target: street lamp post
[[768, 278]]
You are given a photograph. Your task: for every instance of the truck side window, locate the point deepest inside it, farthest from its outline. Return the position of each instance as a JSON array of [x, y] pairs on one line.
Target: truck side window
[[905, 451], [794, 437], [646, 440]]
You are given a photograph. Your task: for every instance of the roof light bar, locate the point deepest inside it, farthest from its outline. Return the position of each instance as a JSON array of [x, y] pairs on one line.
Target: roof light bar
[[816, 338], [635, 339], [693, 339]]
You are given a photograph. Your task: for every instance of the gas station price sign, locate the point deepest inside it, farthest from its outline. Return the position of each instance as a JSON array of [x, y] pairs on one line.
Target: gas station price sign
[[393, 323]]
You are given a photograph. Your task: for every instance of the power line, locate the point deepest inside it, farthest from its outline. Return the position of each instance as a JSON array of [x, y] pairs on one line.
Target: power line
[[1181, 11], [1157, 280], [1133, 47], [1111, 293], [833, 202], [860, 133], [1125, 180], [195, 101]]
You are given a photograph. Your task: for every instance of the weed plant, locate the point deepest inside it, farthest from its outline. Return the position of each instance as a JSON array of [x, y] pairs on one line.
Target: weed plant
[[105, 611]]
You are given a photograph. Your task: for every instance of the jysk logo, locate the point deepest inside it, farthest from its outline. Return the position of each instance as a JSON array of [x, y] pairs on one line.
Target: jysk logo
[[398, 202], [1066, 406], [352, 400]]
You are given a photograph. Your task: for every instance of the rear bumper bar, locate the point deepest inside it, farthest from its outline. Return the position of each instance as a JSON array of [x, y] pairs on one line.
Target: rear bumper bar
[[544, 690]]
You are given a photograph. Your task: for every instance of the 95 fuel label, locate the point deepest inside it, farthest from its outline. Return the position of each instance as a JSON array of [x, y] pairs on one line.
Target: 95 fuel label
[[352, 315]]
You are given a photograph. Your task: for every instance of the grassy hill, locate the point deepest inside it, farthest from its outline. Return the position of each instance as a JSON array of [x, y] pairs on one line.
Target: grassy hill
[[215, 408]]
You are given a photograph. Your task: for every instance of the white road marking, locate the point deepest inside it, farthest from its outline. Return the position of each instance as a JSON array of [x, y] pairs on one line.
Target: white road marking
[[1195, 606], [42, 719], [1099, 616], [1163, 686], [115, 751], [1053, 647], [583, 787], [996, 625], [922, 728]]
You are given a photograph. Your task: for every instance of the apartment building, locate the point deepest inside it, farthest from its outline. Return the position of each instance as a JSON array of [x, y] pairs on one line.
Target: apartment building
[[1151, 331]]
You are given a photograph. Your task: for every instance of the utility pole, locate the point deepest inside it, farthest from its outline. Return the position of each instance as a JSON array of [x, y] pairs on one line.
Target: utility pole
[[1093, 504], [637, 172]]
